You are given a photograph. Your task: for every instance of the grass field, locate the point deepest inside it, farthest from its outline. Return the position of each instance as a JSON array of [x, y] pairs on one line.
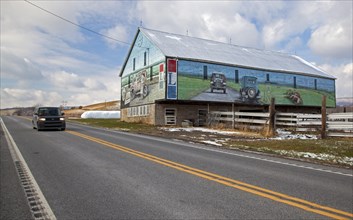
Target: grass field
[[191, 87], [333, 151]]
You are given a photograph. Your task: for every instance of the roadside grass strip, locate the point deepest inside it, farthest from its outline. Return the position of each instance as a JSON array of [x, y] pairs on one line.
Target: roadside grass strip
[[269, 194]]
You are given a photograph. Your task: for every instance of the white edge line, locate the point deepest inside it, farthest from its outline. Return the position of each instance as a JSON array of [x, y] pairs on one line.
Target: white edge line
[[224, 152], [20, 158]]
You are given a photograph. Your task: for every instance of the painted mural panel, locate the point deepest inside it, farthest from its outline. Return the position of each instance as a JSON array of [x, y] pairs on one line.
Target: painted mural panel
[[143, 79], [172, 82], [144, 86], [211, 82]]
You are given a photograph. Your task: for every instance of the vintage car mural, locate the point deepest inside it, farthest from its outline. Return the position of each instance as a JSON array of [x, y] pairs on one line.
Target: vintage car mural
[[218, 82], [249, 88], [201, 81], [137, 88]]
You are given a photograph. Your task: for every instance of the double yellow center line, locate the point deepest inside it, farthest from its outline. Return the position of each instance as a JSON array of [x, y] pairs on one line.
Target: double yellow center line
[[279, 197]]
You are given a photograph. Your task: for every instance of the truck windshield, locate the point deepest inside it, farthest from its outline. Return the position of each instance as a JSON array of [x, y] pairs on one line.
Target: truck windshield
[[49, 112]]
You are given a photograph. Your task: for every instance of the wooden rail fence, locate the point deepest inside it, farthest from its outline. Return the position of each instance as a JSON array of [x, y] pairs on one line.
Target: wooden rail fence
[[337, 124]]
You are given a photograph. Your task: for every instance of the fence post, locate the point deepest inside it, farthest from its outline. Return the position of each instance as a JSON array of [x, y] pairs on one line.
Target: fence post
[[272, 119], [323, 117]]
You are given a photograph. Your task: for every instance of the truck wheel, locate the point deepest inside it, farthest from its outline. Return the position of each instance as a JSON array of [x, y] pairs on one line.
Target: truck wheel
[[251, 93], [145, 91]]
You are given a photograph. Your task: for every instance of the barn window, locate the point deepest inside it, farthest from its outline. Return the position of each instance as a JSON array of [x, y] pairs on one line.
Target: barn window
[[204, 72], [145, 58], [236, 76], [134, 64], [170, 116]]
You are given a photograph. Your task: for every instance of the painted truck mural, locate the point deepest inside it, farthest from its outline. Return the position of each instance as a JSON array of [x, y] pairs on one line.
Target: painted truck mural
[[143, 79], [212, 82], [144, 86]]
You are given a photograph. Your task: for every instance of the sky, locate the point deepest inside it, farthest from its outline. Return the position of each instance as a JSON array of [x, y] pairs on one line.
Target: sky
[[47, 60]]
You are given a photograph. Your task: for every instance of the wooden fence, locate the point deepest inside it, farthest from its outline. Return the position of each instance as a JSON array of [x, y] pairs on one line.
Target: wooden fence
[[337, 124], [252, 119], [340, 124], [301, 122]]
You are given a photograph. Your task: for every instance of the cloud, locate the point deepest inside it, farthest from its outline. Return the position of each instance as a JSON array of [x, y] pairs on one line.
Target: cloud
[[18, 68], [28, 97], [333, 40], [218, 21], [118, 32], [94, 84], [274, 33], [65, 80], [236, 29], [16, 14]]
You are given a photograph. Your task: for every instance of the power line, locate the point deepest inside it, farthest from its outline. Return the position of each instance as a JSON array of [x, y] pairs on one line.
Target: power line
[[73, 23]]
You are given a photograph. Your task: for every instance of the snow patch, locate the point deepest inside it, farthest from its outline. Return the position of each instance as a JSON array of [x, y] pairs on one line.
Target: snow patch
[[212, 143], [101, 114], [312, 65], [319, 156], [191, 129], [285, 135]]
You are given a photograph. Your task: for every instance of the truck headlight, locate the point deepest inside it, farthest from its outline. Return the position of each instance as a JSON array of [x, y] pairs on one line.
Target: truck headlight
[[41, 119], [62, 119]]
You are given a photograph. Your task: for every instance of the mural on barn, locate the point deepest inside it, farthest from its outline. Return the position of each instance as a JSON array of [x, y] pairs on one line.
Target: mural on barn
[[143, 79], [149, 76], [212, 82]]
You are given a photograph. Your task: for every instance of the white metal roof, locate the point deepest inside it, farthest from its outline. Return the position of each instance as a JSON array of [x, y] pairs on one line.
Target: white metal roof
[[174, 45]]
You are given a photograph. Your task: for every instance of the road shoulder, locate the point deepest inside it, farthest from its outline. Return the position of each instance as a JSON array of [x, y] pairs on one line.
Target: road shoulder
[[13, 203]]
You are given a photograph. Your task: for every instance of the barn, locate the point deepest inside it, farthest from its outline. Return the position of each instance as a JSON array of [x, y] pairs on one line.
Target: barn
[[168, 78]]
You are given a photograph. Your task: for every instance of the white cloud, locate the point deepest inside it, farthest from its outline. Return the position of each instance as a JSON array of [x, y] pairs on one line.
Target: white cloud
[[118, 32], [274, 33], [65, 80], [16, 14], [94, 84], [16, 67], [333, 40], [25, 98], [235, 29], [327, 21], [218, 21]]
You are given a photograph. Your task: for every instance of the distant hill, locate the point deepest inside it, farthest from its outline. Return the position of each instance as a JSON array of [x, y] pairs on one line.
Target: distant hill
[[111, 105], [23, 111], [72, 112], [103, 106], [344, 101]]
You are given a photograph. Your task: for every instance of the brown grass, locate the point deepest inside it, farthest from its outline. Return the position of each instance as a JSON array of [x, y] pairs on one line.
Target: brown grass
[[77, 112]]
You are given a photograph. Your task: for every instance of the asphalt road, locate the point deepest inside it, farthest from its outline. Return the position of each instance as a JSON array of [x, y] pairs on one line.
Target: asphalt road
[[89, 173]]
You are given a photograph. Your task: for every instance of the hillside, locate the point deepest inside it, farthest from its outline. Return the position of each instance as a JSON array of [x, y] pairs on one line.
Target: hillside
[[104, 106], [74, 112]]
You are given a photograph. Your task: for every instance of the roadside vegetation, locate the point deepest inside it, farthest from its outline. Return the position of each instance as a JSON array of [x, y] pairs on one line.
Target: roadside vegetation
[[331, 151], [115, 124]]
